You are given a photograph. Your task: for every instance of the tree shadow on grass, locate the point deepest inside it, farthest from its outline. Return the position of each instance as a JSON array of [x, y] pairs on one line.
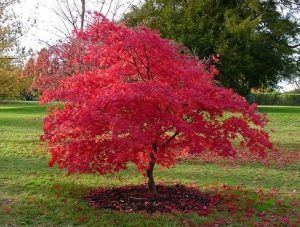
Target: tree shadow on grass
[[232, 204], [41, 193]]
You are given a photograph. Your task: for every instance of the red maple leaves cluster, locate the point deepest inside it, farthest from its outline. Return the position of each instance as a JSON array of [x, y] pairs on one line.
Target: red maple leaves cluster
[[131, 96]]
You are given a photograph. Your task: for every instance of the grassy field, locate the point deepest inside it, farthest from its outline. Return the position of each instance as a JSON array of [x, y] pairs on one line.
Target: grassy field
[[33, 194]]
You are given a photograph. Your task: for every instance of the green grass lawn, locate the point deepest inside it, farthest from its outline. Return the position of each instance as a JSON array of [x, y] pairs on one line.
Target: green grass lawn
[[286, 123], [33, 194]]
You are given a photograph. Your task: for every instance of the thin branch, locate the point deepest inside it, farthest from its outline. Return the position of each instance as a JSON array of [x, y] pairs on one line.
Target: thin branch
[[68, 7], [296, 3], [129, 6], [136, 65], [149, 73], [62, 14], [116, 8], [67, 33], [76, 7], [164, 131], [109, 7], [63, 22], [294, 46], [176, 133], [139, 58], [103, 3], [138, 70], [170, 139], [123, 59]]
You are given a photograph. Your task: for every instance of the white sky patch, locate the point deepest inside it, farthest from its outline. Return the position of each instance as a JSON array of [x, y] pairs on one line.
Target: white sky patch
[[285, 86], [43, 31]]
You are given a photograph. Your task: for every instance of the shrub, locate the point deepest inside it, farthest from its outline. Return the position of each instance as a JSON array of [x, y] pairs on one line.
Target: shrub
[[286, 99]]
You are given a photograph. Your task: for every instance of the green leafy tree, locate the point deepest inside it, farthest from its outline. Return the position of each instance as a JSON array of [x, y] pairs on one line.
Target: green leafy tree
[[256, 42], [11, 84], [9, 79]]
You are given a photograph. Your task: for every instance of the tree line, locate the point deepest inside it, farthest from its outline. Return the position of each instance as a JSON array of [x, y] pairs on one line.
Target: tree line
[[257, 41]]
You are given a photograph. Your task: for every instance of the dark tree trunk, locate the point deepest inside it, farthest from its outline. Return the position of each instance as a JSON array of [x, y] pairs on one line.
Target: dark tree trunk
[[151, 182]]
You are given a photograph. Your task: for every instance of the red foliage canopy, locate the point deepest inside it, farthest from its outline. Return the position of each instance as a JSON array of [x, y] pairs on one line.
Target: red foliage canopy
[[135, 97]]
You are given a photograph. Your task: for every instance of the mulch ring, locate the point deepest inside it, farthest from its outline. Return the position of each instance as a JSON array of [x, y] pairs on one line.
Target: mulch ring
[[174, 198]]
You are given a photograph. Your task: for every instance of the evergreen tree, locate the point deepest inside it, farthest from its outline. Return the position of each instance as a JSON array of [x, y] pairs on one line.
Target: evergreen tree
[[256, 42]]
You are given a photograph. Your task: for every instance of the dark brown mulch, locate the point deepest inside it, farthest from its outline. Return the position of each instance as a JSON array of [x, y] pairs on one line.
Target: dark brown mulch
[[174, 198]]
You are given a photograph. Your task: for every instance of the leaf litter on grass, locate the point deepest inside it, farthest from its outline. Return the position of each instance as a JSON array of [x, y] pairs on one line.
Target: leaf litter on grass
[[232, 204], [175, 198]]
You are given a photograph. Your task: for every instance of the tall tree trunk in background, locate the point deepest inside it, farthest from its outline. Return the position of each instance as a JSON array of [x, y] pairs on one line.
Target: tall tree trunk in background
[[73, 13], [82, 15]]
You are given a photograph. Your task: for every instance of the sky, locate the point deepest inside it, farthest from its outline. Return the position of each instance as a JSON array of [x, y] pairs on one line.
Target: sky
[[43, 31]]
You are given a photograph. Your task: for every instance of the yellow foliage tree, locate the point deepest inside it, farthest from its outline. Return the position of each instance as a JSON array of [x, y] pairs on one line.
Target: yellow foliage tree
[[11, 83]]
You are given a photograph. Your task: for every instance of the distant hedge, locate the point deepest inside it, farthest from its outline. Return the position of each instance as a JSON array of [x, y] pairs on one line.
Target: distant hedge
[[285, 99]]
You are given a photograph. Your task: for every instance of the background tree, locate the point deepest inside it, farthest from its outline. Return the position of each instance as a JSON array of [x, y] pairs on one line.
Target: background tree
[[10, 82], [256, 42], [139, 99], [75, 14], [10, 66], [294, 80]]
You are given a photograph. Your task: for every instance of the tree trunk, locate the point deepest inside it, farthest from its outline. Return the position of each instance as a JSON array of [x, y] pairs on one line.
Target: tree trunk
[[82, 16], [151, 182]]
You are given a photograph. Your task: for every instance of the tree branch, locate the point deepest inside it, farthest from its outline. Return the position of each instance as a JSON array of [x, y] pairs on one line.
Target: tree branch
[[294, 46], [170, 139]]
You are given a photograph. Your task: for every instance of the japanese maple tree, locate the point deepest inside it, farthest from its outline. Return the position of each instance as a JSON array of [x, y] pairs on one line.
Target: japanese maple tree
[[131, 96]]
